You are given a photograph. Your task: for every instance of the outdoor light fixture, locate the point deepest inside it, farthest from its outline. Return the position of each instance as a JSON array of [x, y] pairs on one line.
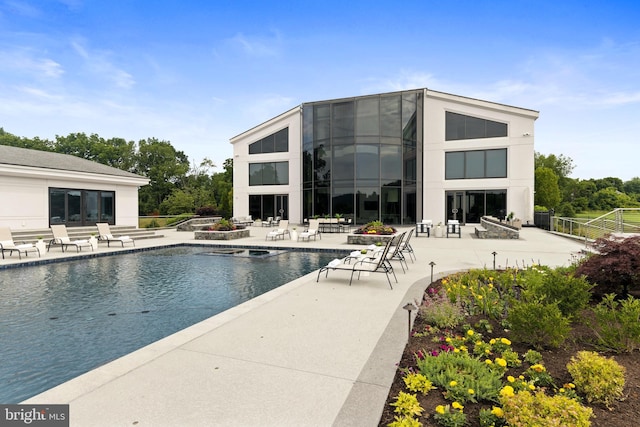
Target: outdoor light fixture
[[409, 307], [494, 253], [432, 264]]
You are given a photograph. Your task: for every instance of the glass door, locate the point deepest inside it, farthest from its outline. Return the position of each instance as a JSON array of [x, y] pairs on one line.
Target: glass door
[[455, 206]]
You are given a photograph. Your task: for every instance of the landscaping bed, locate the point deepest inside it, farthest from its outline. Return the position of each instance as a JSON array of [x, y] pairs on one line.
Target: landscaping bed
[[477, 329]]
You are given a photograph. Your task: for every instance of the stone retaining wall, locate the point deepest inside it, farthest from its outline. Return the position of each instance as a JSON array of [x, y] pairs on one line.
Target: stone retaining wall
[[221, 235], [368, 239], [492, 228]]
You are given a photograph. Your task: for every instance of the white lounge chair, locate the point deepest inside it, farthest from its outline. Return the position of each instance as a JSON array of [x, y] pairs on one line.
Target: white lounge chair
[[104, 234], [8, 245], [283, 229], [312, 231], [60, 237]]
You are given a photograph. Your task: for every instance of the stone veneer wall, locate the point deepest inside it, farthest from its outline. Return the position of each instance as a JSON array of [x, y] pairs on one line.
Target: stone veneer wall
[[368, 239], [221, 235], [494, 229]]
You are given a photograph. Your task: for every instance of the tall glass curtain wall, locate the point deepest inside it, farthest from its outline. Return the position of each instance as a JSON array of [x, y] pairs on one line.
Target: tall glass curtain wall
[[360, 157], [81, 207]]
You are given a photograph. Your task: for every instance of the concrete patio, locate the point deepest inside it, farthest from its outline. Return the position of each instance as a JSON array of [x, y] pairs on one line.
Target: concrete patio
[[305, 354]]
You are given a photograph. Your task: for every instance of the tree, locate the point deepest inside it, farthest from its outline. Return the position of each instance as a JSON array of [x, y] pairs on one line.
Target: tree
[[603, 183], [164, 166], [562, 166], [632, 186], [547, 192]]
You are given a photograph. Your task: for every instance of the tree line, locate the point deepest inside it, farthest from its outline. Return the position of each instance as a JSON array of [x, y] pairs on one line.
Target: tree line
[[554, 189], [175, 185]]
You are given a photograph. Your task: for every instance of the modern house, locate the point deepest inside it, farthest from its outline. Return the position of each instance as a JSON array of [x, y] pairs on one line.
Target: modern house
[[396, 157], [40, 188]]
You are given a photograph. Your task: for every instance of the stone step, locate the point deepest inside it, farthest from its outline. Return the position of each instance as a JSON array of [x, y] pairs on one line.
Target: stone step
[[78, 233]]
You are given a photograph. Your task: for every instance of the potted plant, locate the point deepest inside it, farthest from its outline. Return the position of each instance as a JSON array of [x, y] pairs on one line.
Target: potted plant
[[294, 233]]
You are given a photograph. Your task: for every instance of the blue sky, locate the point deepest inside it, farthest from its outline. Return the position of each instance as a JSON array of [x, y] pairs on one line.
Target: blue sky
[[197, 73]]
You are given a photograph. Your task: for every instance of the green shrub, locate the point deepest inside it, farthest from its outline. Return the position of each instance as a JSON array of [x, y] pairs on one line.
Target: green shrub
[[538, 324], [599, 378], [458, 374], [439, 311], [532, 357], [558, 285], [153, 224], [407, 405], [404, 421], [417, 382], [539, 410], [617, 324]]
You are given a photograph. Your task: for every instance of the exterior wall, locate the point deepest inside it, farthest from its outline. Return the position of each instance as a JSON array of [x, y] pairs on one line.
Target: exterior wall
[[520, 154], [519, 143], [241, 159], [27, 189]]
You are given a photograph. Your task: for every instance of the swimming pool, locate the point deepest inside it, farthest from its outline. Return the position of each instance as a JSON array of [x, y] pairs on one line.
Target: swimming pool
[[63, 319]]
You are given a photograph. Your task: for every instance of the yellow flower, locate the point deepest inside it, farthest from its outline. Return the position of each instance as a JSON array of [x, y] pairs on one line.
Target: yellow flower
[[570, 385], [440, 409], [501, 362], [453, 383], [505, 341], [448, 339], [471, 391], [479, 296], [507, 391], [532, 387], [470, 332], [487, 351], [511, 379], [521, 377], [493, 341], [488, 362], [491, 279], [538, 367], [497, 411], [457, 405], [562, 390], [456, 350]]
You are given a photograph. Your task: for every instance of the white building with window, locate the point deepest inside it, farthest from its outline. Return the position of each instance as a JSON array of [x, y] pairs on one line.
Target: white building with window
[[396, 157], [40, 188]]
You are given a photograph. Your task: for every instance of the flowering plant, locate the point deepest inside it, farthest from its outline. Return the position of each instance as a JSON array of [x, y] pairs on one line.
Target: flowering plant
[[375, 227]]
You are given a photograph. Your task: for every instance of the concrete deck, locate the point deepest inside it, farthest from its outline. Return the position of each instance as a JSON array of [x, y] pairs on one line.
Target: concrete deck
[[305, 354]]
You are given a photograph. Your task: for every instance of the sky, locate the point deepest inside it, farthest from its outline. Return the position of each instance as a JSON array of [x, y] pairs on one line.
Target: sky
[[199, 72]]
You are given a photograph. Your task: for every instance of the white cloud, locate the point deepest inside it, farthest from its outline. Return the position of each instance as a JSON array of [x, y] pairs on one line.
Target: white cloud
[[257, 46], [99, 64]]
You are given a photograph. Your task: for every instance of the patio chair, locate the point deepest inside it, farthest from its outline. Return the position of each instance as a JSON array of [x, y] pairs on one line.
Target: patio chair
[[267, 222], [377, 264], [60, 237], [395, 252], [283, 229], [8, 245], [104, 234], [311, 231], [405, 246]]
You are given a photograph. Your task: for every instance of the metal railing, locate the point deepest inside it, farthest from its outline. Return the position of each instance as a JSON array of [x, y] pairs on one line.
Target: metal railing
[[620, 221]]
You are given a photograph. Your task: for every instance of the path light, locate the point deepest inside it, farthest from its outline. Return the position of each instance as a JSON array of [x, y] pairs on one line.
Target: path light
[[409, 307], [432, 264], [494, 253]]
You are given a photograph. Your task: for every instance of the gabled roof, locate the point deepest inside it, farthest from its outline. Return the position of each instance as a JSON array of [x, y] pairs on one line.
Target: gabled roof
[[10, 155]]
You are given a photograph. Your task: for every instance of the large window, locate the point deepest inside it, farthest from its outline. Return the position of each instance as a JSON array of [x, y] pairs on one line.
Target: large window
[[75, 207], [275, 143], [270, 173], [361, 157], [459, 126], [476, 164]]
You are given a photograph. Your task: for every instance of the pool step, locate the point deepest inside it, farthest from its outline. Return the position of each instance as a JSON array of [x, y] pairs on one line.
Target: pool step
[[77, 233]]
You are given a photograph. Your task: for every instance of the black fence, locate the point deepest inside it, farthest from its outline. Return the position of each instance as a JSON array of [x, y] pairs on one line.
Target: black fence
[[542, 219]]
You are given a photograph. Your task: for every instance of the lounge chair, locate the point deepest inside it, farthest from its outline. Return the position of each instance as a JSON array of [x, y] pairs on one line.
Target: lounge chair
[[283, 229], [268, 222], [379, 263], [311, 231], [8, 245], [60, 237], [104, 234]]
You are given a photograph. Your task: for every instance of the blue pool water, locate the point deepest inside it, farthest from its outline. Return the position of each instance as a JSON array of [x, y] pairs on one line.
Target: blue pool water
[[60, 320]]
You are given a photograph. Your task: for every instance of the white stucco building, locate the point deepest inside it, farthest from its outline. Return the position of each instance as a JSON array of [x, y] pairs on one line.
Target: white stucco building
[[39, 188], [396, 157]]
